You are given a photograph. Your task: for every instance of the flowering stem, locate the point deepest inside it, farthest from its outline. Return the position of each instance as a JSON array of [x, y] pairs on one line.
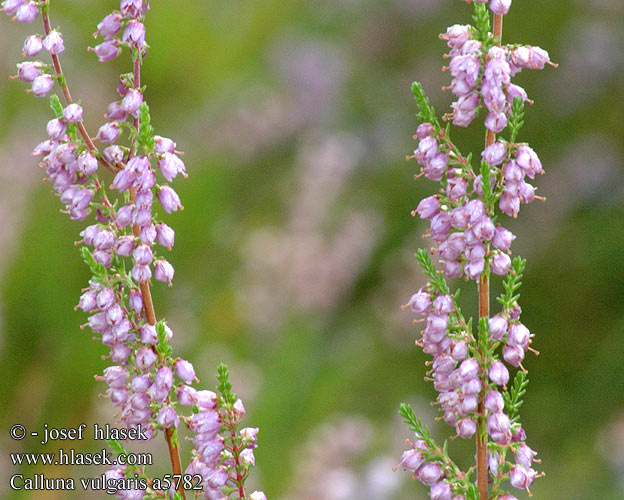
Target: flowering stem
[[63, 83], [236, 452], [484, 312], [482, 479], [148, 304]]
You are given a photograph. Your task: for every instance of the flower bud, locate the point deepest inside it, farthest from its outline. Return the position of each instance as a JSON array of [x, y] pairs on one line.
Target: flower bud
[[513, 355], [443, 304], [167, 417], [502, 238], [147, 334], [440, 491], [141, 272], [239, 408], [521, 478], [124, 245], [499, 427], [171, 165], [148, 234], [498, 327], [429, 207], [32, 46], [109, 132], [206, 400], [87, 163], [107, 50], [165, 236], [163, 145], [524, 456], [187, 396], [501, 264], [163, 271], [169, 199], [468, 369], [469, 404], [10, 6], [115, 112], [500, 7], [429, 474], [28, 71], [73, 113], [53, 43], [494, 401], [113, 154], [120, 352], [247, 458], [134, 34], [498, 373], [27, 13], [494, 154], [131, 8], [105, 299], [466, 428], [142, 255], [519, 335], [109, 26], [459, 351], [132, 102], [419, 302], [135, 300], [116, 377], [250, 436], [56, 129], [140, 383], [184, 370]]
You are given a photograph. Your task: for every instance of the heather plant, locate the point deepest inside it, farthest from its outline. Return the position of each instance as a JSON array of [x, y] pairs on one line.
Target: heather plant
[[116, 184], [471, 359]]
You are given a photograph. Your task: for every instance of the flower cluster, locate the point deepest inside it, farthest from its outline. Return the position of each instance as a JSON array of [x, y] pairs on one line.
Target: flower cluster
[[127, 23], [471, 380], [222, 454], [482, 76], [122, 246]]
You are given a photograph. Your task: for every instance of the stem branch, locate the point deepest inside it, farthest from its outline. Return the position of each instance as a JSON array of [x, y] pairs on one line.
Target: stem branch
[[63, 83]]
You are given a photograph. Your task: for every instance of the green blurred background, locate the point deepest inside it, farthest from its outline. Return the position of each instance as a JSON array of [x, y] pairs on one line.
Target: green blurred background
[[295, 249]]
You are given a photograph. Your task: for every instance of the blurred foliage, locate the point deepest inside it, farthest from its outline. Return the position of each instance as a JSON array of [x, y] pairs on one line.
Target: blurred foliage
[[211, 63]]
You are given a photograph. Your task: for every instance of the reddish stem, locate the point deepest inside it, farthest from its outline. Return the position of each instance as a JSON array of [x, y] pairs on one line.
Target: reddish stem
[[236, 452]]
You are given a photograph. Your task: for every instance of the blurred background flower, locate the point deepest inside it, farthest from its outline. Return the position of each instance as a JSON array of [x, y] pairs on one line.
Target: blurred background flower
[[294, 251]]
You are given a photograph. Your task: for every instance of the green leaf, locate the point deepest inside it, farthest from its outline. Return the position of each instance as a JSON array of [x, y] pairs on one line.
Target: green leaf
[[473, 492], [435, 277], [483, 26], [516, 118], [427, 113], [486, 176], [513, 397], [145, 136], [162, 348], [512, 284], [57, 107], [225, 386], [97, 269], [117, 447]]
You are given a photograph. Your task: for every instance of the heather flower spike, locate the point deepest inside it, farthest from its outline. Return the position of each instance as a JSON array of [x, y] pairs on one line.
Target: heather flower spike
[[122, 245], [472, 359]]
